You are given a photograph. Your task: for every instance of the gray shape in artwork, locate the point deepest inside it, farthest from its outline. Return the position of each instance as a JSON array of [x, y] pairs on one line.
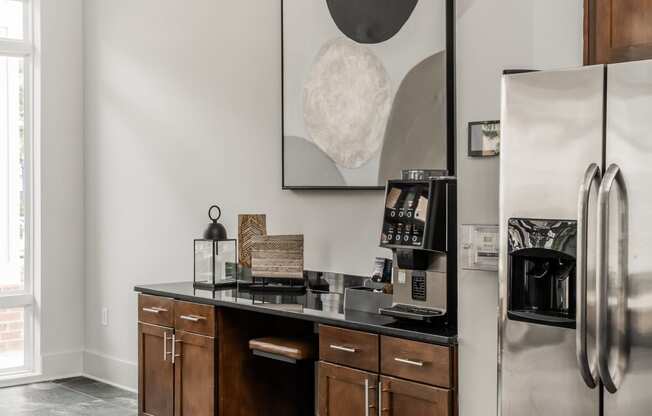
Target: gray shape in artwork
[[347, 98], [370, 21], [306, 165], [416, 132]]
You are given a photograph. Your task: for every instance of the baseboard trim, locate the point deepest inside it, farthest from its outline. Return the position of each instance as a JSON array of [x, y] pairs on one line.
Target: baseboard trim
[[110, 383], [111, 370]]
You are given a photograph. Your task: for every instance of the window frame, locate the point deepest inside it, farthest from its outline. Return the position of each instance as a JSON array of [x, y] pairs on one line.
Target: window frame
[[29, 297]]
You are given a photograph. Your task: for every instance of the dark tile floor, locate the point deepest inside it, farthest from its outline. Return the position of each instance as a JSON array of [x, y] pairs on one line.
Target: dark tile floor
[[77, 396]]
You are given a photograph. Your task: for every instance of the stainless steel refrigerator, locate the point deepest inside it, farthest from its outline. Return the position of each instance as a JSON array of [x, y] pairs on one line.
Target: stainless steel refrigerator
[[575, 318]]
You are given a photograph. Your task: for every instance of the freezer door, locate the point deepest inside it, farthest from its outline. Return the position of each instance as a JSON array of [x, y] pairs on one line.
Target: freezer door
[[629, 148], [551, 133]]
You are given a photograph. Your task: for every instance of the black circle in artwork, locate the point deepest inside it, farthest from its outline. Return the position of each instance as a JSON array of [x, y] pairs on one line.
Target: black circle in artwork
[[370, 21]]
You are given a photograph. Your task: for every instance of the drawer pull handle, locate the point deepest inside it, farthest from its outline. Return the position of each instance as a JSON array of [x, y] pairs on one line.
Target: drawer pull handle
[[192, 318], [410, 362], [340, 348], [155, 310]]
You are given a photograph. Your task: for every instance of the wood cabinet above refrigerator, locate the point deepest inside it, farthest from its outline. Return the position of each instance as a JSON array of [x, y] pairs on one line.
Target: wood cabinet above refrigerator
[[617, 31]]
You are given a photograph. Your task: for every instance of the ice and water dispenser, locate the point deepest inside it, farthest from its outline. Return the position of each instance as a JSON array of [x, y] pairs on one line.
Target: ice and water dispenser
[[541, 263]]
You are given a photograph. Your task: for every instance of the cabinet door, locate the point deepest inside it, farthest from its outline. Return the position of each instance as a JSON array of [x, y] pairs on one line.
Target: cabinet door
[[344, 391], [401, 398], [155, 371], [195, 387], [617, 31]]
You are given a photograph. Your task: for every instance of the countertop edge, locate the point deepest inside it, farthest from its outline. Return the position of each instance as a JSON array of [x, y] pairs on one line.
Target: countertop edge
[[381, 330]]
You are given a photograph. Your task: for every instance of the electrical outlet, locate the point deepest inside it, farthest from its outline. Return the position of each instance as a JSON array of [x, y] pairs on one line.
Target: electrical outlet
[[105, 316]]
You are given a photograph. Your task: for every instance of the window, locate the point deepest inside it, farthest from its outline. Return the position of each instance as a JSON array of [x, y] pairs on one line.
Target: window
[[16, 145]]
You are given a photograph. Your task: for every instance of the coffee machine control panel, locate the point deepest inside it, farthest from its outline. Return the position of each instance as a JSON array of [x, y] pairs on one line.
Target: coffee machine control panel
[[415, 214], [401, 229]]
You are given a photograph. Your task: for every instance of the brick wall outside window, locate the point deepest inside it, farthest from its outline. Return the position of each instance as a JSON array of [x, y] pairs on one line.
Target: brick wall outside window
[[12, 324]]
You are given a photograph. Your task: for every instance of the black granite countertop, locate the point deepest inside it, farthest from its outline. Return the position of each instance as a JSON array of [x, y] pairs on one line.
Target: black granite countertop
[[322, 302]]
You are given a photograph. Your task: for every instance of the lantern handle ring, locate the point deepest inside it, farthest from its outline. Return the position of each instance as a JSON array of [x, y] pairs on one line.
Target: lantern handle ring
[[210, 211]]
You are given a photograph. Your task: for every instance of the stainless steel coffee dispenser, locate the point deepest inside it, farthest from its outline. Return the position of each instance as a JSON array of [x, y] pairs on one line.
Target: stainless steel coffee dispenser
[[420, 228]]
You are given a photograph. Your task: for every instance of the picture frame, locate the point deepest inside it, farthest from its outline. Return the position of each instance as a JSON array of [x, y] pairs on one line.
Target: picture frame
[[447, 139], [484, 138]]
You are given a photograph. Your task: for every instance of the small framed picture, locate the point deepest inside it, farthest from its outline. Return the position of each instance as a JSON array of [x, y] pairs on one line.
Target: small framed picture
[[484, 138]]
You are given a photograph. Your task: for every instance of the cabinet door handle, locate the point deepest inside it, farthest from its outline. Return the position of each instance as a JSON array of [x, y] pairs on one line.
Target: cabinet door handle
[[192, 318], [410, 362], [155, 310], [165, 346], [366, 397], [341, 348], [380, 398], [381, 409], [174, 348]]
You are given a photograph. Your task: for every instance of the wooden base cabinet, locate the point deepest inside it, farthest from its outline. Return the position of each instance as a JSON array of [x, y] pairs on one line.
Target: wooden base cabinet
[[156, 371], [194, 375], [400, 397], [176, 358], [345, 391], [403, 377]]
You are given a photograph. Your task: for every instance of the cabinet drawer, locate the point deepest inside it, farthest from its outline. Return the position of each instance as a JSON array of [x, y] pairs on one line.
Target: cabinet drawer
[[195, 318], [351, 348], [411, 360], [156, 310]]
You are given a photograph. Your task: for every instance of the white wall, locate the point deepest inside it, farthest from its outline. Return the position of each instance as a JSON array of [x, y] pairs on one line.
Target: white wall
[[183, 110], [62, 205], [494, 35]]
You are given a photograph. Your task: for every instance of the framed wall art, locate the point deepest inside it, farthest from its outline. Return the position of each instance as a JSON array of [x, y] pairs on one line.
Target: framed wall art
[[484, 138], [368, 87]]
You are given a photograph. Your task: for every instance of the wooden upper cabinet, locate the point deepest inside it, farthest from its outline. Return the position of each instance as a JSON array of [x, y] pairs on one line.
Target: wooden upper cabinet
[[195, 389], [345, 391], [156, 371], [617, 31]]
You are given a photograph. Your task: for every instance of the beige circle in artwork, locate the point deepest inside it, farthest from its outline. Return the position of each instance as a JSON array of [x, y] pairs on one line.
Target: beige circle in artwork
[[346, 102]]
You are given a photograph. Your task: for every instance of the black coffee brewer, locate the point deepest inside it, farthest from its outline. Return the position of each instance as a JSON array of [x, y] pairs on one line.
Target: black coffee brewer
[[419, 227], [542, 271]]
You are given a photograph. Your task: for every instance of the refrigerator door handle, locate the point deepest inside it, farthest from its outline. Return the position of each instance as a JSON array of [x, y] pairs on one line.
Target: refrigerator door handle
[[588, 370], [610, 381]]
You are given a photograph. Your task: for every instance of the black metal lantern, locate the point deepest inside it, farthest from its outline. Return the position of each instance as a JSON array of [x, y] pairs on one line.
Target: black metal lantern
[[215, 256]]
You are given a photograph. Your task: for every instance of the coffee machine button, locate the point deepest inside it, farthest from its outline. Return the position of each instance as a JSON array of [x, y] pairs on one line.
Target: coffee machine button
[[390, 237], [401, 214], [406, 238], [398, 237], [409, 214], [415, 238], [392, 214]]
